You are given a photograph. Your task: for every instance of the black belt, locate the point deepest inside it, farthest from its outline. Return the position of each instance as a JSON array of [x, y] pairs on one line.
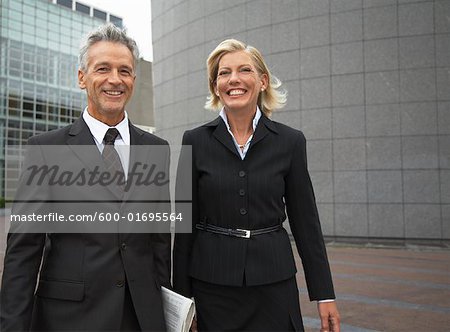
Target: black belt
[[244, 233]]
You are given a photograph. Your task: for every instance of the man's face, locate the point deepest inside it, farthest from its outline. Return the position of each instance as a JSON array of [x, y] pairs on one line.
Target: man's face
[[108, 80]]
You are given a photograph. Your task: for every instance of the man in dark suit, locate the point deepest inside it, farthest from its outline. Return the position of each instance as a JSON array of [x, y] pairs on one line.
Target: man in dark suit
[[91, 281]]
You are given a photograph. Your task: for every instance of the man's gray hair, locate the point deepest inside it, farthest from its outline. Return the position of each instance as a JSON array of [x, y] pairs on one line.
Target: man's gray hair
[[110, 33]]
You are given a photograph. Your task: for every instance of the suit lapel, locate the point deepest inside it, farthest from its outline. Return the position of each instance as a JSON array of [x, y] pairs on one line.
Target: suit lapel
[[264, 127], [135, 155], [135, 135], [80, 134], [222, 135], [82, 143]]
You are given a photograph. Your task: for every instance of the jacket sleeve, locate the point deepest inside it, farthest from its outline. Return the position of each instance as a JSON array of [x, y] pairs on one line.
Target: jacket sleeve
[[22, 260], [161, 241], [305, 225], [186, 187]]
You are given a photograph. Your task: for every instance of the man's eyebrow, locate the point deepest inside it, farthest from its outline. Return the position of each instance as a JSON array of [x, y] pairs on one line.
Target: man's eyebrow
[[126, 66], [101, 64]]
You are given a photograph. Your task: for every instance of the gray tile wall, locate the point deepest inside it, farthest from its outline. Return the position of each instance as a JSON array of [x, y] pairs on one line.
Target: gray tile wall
[[368, 84]]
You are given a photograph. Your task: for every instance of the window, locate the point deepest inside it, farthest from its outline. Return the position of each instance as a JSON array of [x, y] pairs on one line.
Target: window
[[14, 108], [79, 7], [54, 18], [3, 57], [15, 87], [15, 25], [64, 29], [53, 45], [65, 3], [40, 110], [29, 9], [53, 36], [40, 128], [27, 38], [17, 5], [26, 134], [15, 59], [41, 65], [99, 14], [28, 100], [52, 105], [28, 107], [76, 114], [52, 113], [41, 30], [41, 14], [14, 14], [28, 63], [41, 102], [117, 21], [30, 2], [13, 132], [42, 42], [65, 71]]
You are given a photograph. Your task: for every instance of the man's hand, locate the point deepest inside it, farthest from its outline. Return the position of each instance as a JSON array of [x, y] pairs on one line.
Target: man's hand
[[329, 317]]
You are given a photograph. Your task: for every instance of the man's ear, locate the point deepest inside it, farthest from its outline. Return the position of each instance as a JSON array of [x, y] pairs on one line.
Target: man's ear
[[81, 82]]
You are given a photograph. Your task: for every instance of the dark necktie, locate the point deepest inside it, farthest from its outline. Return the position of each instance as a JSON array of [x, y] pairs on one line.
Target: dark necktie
[[112, 159]]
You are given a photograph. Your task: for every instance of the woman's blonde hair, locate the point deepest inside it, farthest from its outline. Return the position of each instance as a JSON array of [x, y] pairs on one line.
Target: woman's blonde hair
[[270, 99]]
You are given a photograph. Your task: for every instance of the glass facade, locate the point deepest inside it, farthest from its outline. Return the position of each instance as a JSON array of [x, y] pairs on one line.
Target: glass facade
[[38, 75]]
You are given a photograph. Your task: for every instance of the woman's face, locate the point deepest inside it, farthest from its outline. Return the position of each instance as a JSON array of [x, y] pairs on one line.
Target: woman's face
[[238, 83]]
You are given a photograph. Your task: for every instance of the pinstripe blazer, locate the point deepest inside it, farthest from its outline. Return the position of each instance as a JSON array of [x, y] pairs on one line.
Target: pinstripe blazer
[[250, 194]]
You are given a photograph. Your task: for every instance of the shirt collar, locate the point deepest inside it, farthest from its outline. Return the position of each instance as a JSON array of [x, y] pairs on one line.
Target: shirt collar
[[99, 129], [258, 115]]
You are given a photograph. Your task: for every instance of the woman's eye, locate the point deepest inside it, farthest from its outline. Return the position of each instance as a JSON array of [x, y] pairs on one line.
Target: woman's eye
[[246, 70], [223, 72]]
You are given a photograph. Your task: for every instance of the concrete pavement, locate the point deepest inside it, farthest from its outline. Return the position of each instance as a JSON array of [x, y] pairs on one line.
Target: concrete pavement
[[386, 289]]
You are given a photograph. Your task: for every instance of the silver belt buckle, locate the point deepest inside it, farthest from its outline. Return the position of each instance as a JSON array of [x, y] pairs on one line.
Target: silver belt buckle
[[247, 233]]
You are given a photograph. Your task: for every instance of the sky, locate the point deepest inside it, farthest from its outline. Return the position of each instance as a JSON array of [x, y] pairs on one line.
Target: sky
[[136, 16]]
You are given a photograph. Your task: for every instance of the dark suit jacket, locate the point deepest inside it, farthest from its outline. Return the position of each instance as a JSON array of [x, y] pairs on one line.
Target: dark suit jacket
[[81, 281], [250, 194]]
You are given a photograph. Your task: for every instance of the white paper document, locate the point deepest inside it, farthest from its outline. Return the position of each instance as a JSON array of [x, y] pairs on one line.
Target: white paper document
[[178, 311]]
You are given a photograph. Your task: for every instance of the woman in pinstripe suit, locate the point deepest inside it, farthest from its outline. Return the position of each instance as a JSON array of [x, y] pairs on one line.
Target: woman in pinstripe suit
[[246, 172]]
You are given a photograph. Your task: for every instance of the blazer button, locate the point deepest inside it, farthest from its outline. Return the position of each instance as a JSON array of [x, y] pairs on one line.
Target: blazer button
[[241, 174], [120, 283], [123, 246], [243, 211], [241, 192]]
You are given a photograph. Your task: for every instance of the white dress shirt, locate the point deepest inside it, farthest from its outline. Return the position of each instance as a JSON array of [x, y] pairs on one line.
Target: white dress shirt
[[242, 152], [121, 144]]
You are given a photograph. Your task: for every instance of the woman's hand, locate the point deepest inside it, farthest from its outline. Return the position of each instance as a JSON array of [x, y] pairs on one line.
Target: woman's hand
[[194, 325], [329, 317]]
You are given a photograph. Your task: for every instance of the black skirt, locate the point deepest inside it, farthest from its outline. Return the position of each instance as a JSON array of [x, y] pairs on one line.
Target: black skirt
[[271, 307]]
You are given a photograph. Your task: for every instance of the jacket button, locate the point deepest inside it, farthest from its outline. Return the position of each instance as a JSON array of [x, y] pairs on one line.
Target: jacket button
[[120, 283], [243, 211], [123, 246], [241, 192], [241, 174]]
